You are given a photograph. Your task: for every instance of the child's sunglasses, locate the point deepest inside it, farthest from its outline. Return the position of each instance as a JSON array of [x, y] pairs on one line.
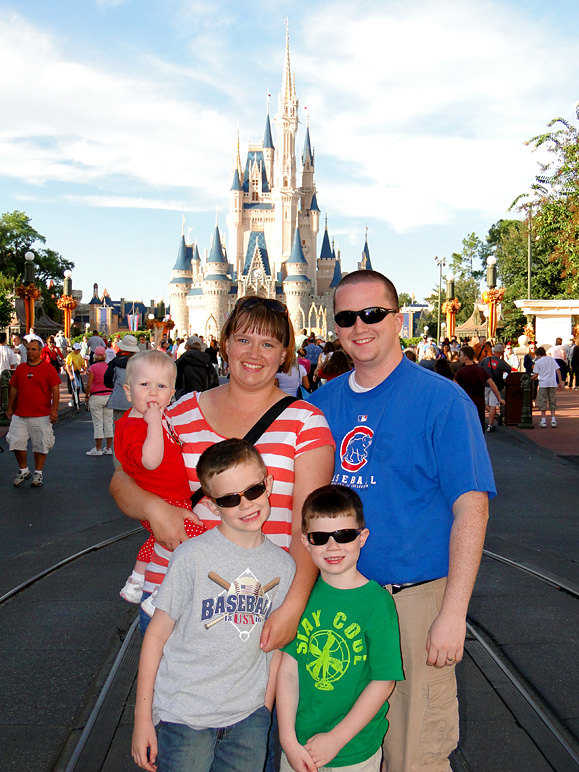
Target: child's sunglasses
[[371, 315], [343, 536], [234, 499]]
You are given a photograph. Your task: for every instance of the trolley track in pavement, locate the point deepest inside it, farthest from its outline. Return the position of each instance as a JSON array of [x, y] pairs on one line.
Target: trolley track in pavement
[[51, 569], [558, 746], [63, 626]]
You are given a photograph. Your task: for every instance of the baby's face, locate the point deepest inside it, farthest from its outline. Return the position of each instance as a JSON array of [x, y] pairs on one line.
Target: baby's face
[[150, 385]]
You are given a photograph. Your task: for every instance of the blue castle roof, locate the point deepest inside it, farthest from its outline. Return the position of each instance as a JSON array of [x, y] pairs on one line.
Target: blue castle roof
[[297, 254], [337, 277], [307, 153], [256, 238], [267, 140], [366, 262], [236, 184], [216, 255], [314, 204], [255, 155], [326, 251], [184, 255]]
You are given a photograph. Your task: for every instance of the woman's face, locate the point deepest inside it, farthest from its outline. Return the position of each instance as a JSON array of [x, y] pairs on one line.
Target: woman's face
[[254, 358]]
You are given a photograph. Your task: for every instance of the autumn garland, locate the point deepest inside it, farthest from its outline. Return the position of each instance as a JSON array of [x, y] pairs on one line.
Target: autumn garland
[[451, 306], [493, 295]]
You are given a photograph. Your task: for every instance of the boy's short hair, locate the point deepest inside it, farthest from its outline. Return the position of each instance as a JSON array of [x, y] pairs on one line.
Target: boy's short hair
[[468, 352], [332, 501], [153, 358], [224, 455], [541, 351]]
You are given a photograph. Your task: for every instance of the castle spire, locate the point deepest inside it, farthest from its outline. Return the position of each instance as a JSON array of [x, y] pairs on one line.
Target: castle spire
[[287, 85]]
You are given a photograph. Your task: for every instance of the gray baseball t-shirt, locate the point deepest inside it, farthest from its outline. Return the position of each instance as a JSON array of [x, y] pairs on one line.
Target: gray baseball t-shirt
[[213, 673]]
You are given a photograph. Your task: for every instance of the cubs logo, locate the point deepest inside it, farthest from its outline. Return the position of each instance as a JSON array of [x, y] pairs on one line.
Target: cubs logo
[[354, 448]]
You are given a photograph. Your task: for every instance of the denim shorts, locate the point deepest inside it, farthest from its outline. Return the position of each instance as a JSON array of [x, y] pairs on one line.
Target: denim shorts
[[237, 748]]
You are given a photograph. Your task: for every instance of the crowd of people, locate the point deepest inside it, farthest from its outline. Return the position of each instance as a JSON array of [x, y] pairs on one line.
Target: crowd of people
[[481, 367], [312, 543]]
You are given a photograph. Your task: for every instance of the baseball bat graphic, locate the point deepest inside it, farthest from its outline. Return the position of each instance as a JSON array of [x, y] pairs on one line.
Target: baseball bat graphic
[[226, 586]]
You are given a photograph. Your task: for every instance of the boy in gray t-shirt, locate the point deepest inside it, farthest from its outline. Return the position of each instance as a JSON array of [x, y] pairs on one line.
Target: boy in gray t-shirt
[[205, 688]]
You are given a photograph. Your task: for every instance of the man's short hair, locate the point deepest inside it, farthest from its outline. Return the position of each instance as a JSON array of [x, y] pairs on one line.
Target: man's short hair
[[468, 352], [332, 501], [498, 348], [225, 455], [541, 351], [2, 338], [151, 358], [370, 277]]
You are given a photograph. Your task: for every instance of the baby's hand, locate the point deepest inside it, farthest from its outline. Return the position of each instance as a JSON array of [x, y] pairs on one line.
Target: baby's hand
[[153, 414]]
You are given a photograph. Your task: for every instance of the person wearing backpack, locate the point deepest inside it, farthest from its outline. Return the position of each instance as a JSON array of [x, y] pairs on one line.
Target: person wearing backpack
[[194, 369], [498, 369]]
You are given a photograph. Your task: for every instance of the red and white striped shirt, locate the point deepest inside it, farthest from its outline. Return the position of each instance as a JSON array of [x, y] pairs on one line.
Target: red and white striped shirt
[[300, 428]]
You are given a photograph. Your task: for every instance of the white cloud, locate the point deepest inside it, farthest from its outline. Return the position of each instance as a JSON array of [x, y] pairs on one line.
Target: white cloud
[[419, 111], [69, 122]]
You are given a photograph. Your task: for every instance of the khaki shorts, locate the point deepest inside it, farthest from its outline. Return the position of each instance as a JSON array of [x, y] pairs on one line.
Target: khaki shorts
[[370, 765], [37, 429], [423, 714], [547, 395], [490, 398]]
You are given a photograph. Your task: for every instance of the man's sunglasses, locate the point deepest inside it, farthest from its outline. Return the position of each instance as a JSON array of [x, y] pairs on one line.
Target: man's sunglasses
[[234, 499], [371, 315], [343, 536]]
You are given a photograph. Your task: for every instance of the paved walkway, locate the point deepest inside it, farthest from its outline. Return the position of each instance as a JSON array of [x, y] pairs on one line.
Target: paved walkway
[[564, 439], [63, 409]]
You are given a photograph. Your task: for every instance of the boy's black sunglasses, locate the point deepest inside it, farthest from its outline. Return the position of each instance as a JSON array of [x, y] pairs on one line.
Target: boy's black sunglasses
[[234, 499], [343, 536], [371, 315]]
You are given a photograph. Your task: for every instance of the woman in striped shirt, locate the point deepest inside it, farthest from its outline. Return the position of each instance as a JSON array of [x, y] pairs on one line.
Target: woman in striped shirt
[[257, 340]]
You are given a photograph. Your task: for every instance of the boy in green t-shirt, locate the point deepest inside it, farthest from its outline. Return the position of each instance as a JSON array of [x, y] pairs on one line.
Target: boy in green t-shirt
[[336, 676]]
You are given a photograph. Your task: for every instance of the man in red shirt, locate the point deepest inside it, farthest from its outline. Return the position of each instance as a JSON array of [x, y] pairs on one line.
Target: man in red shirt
[[32, 409]]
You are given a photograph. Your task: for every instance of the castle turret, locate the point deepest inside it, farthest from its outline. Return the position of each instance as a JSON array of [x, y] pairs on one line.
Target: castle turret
[[296, 284], [365, 263], [268, 151], [216, 286], [179, 286], [326, 262]]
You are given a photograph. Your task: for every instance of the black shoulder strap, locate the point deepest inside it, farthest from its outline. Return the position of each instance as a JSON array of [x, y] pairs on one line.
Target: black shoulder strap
[[255, 432], [267, 419]]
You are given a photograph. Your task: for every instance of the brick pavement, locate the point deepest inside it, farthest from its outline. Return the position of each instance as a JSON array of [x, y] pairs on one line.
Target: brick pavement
[[564, 438]]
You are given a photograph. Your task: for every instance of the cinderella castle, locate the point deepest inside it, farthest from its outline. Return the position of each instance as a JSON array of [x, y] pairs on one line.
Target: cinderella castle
[[272, 232]]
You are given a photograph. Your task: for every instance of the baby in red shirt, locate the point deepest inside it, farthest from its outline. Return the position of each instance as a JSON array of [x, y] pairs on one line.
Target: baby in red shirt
[[151, 455]]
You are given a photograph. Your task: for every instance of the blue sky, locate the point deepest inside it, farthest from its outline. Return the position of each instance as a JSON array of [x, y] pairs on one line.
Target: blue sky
[[120, 116]]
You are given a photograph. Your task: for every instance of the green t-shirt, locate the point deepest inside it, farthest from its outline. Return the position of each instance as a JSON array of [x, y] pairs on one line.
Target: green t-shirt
[[345, 639]]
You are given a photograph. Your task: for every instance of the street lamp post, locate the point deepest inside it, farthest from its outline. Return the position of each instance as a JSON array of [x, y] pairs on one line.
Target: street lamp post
[[28, 290], [450, 306], [440, 262], [493, 296], [67, 303]]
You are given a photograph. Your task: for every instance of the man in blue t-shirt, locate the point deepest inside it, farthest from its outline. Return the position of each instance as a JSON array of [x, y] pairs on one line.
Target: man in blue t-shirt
[[409, 442]]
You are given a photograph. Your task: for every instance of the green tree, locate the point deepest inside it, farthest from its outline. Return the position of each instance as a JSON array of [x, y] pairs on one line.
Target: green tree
[[404, 299], [17, 236], [468, 268], [508, 240], [555, 200]]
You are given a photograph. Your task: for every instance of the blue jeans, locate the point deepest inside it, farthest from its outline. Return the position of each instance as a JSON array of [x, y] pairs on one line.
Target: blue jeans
[[144, 618], [237, 748]]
